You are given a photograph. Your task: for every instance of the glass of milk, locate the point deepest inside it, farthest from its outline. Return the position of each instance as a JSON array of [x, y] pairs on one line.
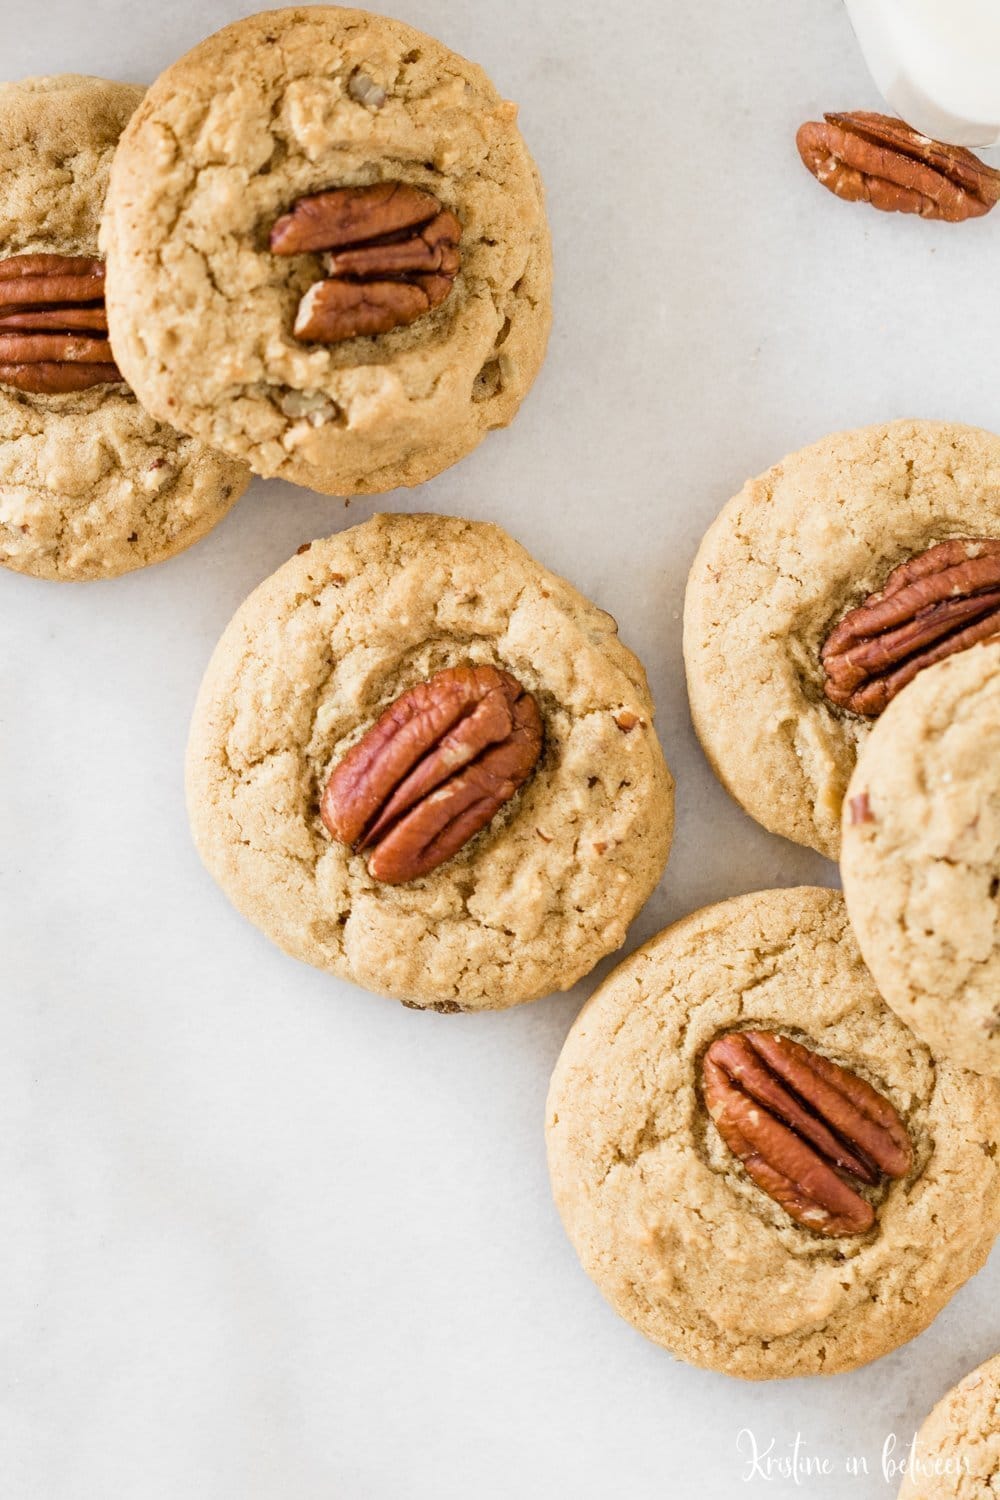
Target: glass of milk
[[937, 62]]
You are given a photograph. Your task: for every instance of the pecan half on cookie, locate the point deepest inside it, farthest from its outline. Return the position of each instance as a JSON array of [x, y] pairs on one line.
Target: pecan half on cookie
[[800, 1124], [933, 605], [877, 159], [434, 770], [391, 253], [53, 325]]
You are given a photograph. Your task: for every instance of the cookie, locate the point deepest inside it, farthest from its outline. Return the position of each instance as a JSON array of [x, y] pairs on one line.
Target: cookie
[[790, 561], [90, 484], [327, 250], [288, 766], [663, 1200], [921, 856], [958, 1447]]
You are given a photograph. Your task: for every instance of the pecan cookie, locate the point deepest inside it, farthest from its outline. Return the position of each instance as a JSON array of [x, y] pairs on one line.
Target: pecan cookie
[[329, 251], [824, 587], [921, 857], [760, 1166], [422, 762], [958, 1448], [90, 484]]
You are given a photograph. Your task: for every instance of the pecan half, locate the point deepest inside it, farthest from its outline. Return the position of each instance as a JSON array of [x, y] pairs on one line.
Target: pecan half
[[434, 770], [53, 324], [933, 605], [878, 159], [797, 1121], [392, 255]]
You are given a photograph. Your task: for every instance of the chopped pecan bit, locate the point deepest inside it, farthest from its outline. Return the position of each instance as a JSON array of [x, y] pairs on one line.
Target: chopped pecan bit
[[878, 159], [434, 770], [796, 1120], [392, 255], [932, 606], [861, 809], [364, 90], [53, 324]]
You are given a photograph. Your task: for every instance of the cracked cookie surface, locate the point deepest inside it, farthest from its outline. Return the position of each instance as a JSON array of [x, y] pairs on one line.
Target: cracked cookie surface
[[665, 1220], [90, 484], [958, 1446], [305, 668], [921, 856], [785, 560], [202, 312]]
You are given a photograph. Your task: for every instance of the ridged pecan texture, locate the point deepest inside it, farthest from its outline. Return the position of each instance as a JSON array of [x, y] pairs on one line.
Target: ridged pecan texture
[[801, 1125], [933, 605], [433, 770], [391, 251], [877, 159], [53, 325]]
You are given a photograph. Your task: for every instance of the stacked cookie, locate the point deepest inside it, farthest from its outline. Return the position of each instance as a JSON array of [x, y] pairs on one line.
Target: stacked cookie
[[327, 259]]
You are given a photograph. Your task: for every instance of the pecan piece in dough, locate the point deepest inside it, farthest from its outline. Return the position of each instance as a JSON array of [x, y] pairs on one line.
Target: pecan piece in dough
[[932, 606], [53, 324], [877, 159], [797, 1121], [434, 770], [392, 255]]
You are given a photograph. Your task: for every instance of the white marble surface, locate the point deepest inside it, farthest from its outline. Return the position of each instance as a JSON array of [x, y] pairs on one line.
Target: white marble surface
[[265, 1235]]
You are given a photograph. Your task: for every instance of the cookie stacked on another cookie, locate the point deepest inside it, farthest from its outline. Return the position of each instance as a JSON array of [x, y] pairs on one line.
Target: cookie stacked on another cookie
[[761, 1167], [422, 762], [921, 856], [90, 484], [327, 250]]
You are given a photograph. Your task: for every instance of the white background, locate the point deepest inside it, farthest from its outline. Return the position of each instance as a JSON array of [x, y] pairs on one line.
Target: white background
[[265, 1235]]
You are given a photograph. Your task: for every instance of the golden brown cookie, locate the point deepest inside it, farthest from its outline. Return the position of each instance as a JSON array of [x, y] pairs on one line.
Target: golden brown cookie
[[373, 338], [673, 1222], [801, 548], [352, 629], [921, 856], [90, 484], [958, 1447]]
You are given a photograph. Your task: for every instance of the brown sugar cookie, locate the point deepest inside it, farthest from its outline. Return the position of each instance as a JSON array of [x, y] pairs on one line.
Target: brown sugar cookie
[[759, 1165]]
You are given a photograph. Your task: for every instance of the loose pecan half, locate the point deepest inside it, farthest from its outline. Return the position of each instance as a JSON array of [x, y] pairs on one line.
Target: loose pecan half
[[797, 1121], [878, 159], [931, 606], [435, 769], [392, 256], [53, 324]]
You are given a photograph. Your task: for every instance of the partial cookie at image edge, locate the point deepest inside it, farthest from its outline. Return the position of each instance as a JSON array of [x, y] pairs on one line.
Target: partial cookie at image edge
[[91, 486], [920, 860]]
